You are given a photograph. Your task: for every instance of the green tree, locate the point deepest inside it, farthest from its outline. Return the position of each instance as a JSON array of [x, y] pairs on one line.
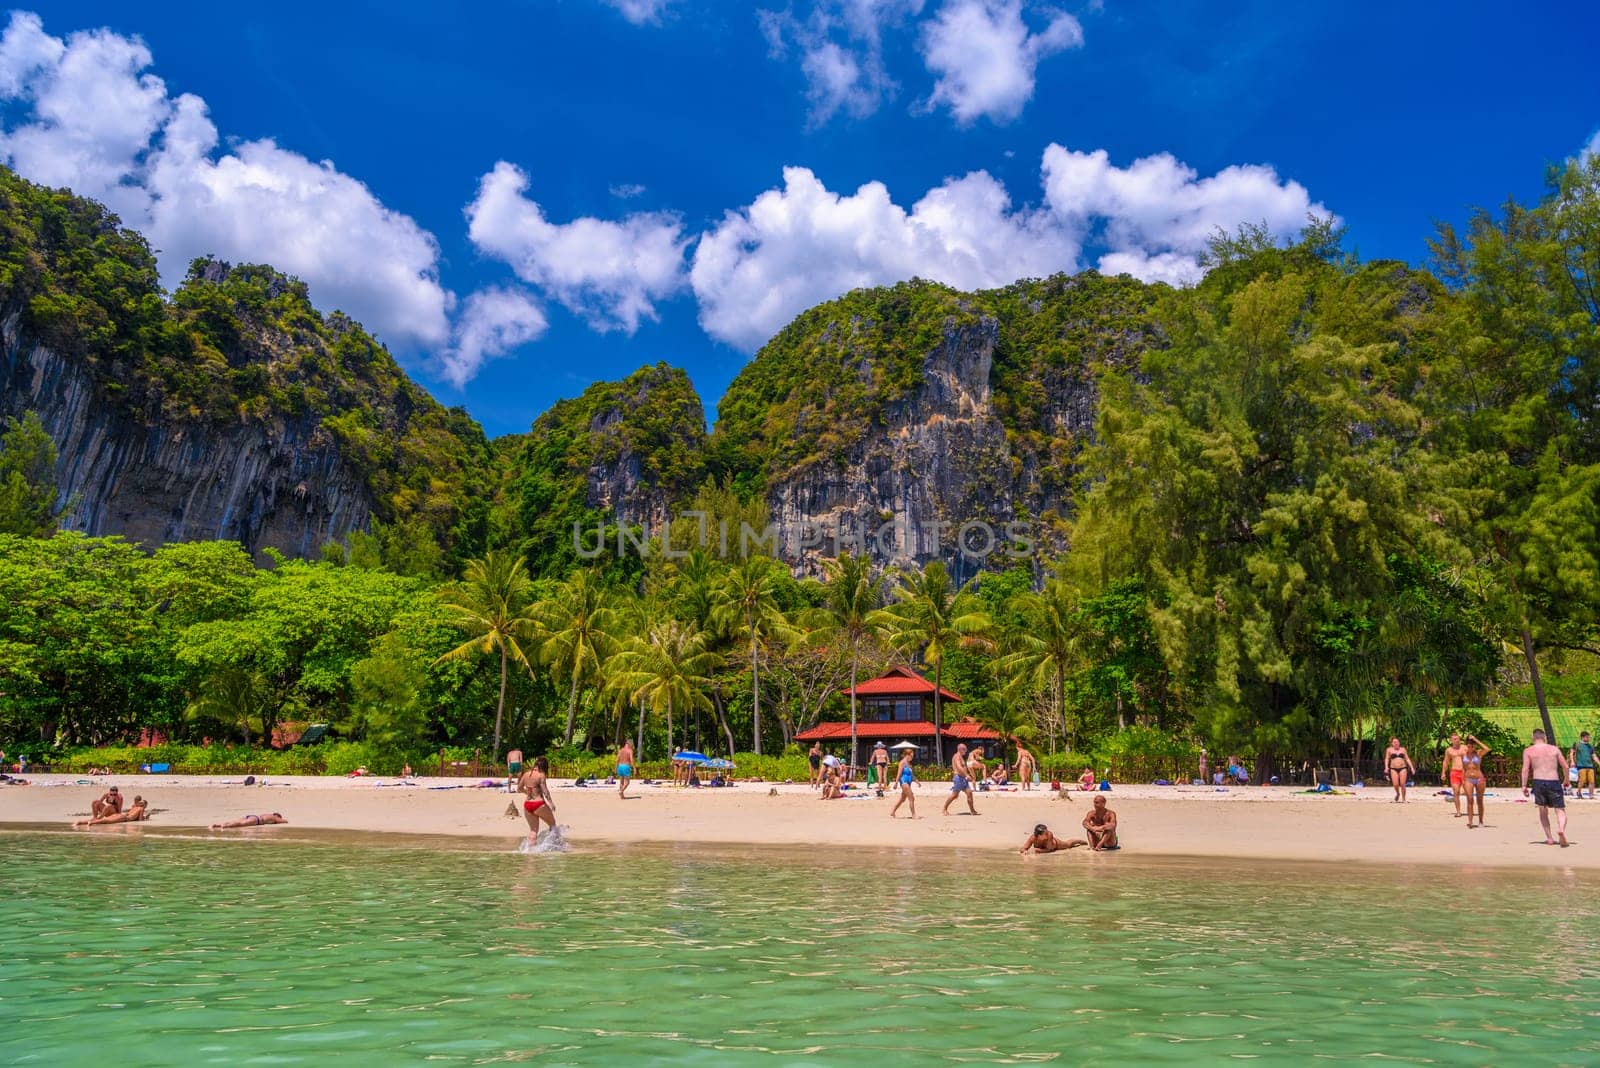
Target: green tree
[[578, 625], [1258, 475], [1045, 647], [749, 603], [854, 591], [388, 693], [492, 603], [1516, 397], [27, 478], [929, 619], [666, 670]]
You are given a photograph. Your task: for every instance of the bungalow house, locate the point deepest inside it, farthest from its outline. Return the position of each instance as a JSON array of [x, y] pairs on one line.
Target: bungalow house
[[897, 706]]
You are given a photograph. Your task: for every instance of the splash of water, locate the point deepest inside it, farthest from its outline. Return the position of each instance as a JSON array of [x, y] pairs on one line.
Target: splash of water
[[553, 840]]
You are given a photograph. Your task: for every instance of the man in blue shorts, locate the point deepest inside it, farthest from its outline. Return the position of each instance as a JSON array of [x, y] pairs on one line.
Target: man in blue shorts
[[960, 783]]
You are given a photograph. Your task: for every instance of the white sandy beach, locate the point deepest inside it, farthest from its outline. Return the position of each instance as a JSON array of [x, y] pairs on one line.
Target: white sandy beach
[[1252, 822]]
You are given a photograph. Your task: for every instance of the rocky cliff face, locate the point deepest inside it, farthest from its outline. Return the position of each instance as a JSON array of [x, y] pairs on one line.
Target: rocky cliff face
[[916, 423], [278, 483]]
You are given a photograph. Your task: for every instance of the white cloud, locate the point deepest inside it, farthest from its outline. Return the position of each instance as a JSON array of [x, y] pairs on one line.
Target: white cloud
[[1592, 148], [85, 113], [796, 246], [840, 44], [611, 273], [1156, 215], [492, 322], [985, 57], [639, 12], [802, 244], [627, 190]]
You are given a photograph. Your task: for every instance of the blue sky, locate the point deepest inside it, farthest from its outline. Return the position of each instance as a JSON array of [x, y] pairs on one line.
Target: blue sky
[[539, 195]]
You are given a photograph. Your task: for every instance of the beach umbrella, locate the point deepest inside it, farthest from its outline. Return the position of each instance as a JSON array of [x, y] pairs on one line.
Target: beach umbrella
[[690, 757], [903, 745]]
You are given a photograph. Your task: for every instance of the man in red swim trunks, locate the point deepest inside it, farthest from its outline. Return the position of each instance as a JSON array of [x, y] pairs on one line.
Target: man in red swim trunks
[[538, 807], [1453, 769]]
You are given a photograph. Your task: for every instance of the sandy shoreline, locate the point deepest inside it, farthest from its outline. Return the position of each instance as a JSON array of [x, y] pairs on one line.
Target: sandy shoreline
[[1246, 823]]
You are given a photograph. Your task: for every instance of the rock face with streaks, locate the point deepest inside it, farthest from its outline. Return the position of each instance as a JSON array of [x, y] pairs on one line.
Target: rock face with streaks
[[277, 482]]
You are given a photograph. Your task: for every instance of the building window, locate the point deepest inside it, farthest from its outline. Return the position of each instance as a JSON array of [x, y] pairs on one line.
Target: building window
[[908, 710]]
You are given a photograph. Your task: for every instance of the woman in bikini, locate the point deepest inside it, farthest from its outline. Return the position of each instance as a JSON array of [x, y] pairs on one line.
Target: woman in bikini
[[538, 807], [905, 778], [1473, 781], [250, 821], [139, 810], [1398, 761], [1043, 841]]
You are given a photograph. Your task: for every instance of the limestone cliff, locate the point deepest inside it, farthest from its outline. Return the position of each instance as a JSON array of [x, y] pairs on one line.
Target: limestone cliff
[[277, 483]]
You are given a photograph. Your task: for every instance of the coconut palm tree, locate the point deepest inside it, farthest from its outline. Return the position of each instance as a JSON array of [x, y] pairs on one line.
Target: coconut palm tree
[[854, 593], [695, 594], [579, 623], [1047, 647], [749, 603], [928, 619], [667, 670], [492, 603]]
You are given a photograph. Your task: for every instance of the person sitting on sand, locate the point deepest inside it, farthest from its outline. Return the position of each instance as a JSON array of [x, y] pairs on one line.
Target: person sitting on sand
[[1042, 841], [407, 773], [539, 807], [250, 821], [109, 804], [1087, 781], [1101, 823], [137, 811], [832, 782], [999, 776]]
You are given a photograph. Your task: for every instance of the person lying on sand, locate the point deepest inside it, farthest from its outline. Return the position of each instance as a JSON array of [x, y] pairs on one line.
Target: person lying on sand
[[1042, 841], [109, 804], [1101, 823], [250, 821], [137, 811]]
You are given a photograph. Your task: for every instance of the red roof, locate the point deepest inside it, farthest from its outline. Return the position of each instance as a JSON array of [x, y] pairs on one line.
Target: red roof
[[899, 682], [824, 732], [965, 730]]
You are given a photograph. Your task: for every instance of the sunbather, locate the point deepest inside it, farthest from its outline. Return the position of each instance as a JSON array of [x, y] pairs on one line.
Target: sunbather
[[250, 821], [137, 811], [109, 804], [1042, 841]]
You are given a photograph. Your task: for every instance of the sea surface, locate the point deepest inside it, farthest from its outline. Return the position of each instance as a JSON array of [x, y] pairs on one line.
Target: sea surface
[[139, 948]]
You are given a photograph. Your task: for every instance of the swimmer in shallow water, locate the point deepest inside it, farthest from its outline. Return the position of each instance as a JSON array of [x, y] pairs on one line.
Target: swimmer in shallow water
[[250, 821], [1043, 841]]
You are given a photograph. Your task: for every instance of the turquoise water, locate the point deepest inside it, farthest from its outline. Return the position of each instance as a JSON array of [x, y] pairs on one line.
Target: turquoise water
[[135, 949]]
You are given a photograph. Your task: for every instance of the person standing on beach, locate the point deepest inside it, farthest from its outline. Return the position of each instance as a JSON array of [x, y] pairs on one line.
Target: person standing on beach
[[880, 762], [1452, 773], [539, 807], [960, 783], [1582, 758], [976, 771], [905, 778], [1545, 766], [1398, 761], [1025, 767], [1473, 781], [815, 758], [624, 768]]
